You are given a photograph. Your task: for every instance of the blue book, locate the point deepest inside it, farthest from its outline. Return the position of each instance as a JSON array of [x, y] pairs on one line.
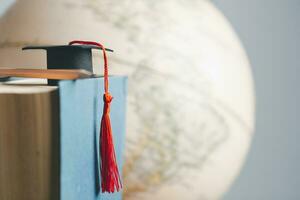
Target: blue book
[[81, 104]]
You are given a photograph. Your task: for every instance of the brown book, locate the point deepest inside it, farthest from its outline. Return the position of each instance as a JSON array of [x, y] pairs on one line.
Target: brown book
[[29, 146]]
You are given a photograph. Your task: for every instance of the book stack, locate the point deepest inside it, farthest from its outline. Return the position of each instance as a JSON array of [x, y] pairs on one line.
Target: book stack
[[49, 138]]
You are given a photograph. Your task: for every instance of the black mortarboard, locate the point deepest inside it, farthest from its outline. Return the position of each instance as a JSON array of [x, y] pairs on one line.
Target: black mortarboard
[[68, 57]]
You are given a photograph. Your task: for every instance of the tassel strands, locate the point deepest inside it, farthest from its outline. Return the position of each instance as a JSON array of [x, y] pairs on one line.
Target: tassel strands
[[109, 170], [110, 177]]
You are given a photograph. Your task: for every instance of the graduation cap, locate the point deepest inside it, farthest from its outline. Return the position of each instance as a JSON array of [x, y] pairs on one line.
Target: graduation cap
[[68, 57]]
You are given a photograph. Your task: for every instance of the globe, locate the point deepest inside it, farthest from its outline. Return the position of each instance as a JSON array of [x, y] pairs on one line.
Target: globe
[[190, 114]]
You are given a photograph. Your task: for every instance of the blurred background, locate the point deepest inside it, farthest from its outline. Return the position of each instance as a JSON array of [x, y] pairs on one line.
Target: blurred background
[[269, 31]]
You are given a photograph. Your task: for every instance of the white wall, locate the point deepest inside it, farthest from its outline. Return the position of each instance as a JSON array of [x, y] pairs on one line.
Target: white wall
[[270, 32]]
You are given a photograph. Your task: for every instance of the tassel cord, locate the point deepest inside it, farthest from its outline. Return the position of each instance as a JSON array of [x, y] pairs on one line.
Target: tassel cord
[[110, 177]]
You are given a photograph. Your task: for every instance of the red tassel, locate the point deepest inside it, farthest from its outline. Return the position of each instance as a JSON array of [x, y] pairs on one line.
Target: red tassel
[[110, 177], [109, 169]]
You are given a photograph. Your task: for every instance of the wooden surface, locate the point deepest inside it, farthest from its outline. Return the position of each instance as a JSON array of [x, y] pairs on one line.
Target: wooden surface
[[58, 74], [29, 146]]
